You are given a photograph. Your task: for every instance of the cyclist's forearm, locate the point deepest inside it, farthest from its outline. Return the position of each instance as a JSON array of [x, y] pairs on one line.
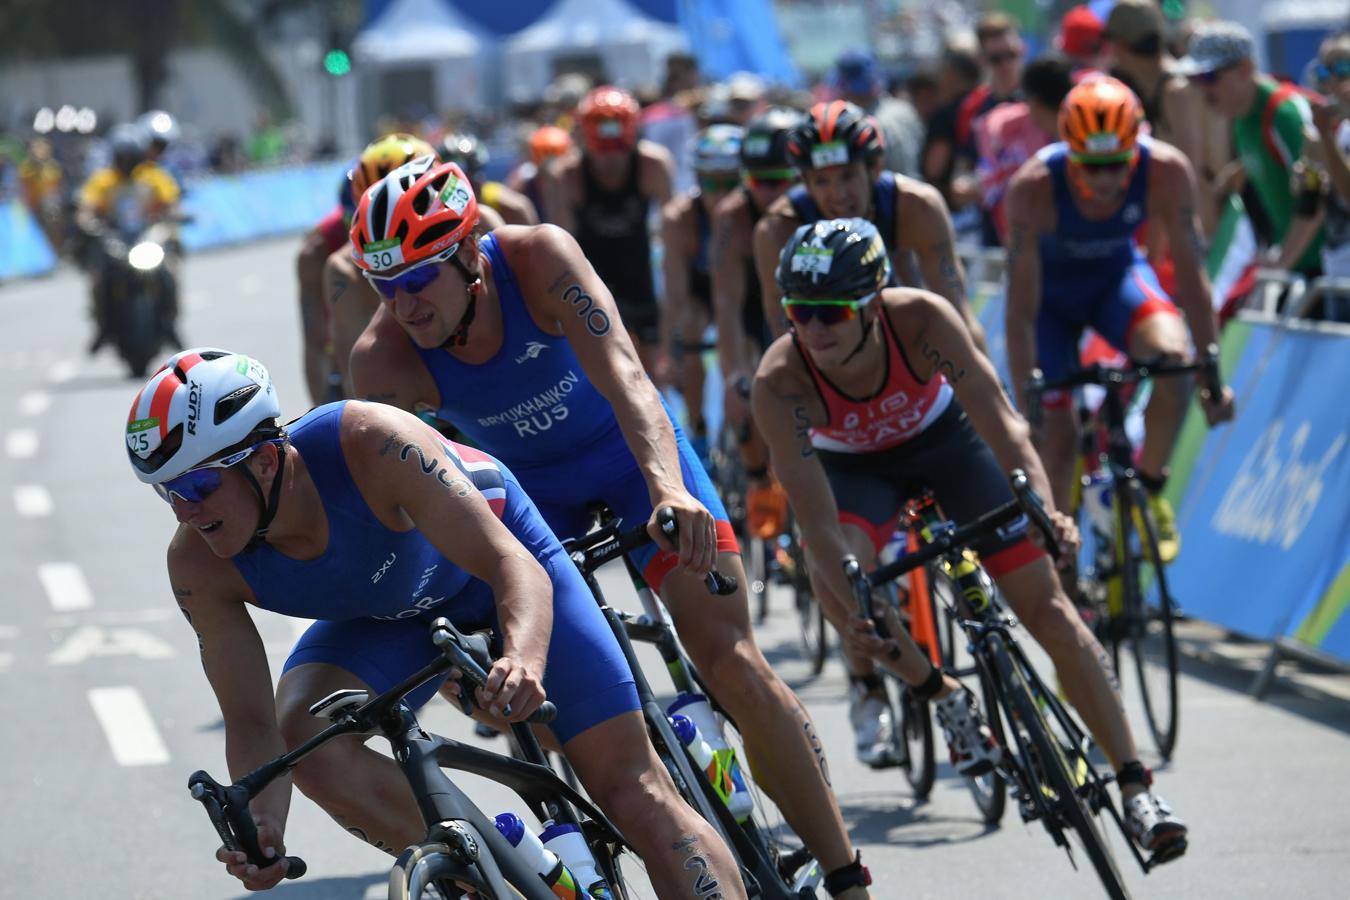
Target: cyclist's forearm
[[648, 431], [248, 746], [521, 588], [1021, 341]]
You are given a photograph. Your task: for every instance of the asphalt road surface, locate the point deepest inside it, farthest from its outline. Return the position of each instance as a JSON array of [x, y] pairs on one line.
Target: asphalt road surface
[[106, 711]]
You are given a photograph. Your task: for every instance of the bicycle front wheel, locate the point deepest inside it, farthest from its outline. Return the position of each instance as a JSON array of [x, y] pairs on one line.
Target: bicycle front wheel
[[1148, 629], [430, 872], [815, 634], [1053, 774]]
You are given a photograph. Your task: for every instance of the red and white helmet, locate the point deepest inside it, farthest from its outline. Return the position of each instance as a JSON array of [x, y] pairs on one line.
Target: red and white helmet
[[201, 403], [417, 211]]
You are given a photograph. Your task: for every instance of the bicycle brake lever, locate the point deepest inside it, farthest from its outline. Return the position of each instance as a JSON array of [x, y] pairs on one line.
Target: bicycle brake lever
[[228, 810], [1031, 504]]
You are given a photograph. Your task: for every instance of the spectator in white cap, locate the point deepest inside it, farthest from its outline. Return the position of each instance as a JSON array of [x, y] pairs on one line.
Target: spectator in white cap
[[1271, 122]]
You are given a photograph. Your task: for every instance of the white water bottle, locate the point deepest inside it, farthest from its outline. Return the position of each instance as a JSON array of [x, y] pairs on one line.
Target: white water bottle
[[568, 843], [1097, 501], [555, 873], [698, 710]]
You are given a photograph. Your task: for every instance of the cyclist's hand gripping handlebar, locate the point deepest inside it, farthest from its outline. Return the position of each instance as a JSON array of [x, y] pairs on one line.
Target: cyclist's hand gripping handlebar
[[470, 655], [227, 806], [862, 595], [1030, 502], [717, 583]]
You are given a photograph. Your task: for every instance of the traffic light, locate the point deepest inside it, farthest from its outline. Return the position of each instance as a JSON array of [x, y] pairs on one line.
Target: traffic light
[[336, 62]]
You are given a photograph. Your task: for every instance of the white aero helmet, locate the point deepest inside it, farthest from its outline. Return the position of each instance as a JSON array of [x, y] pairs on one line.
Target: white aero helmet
[[717, 148], [201, 403]]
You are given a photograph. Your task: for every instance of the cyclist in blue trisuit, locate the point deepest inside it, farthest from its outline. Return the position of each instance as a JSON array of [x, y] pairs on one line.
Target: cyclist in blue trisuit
[[1074, 211], [364, 519], [514, 340]]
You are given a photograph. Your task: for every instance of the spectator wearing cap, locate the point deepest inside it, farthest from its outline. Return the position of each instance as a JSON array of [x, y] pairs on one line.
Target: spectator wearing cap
[[1082, 39], [958, 75], [857, 80], [1175, 109], [1002, 52], [1270, 123]]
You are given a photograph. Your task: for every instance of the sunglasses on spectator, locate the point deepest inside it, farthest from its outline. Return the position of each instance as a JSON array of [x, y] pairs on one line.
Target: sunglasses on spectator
[[998, 59], [713, 185], [827, 312], [770, 178], [1211, 76], [195, 485], [1338, 69], [413, 280]]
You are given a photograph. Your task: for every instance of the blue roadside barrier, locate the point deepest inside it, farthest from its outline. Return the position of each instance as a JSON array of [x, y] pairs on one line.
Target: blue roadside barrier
[[24, 251], [229, 209], [1264, 520]]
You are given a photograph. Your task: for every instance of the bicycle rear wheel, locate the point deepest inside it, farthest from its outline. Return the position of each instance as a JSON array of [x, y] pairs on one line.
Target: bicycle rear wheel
[[1056, 772], [1149, 618]]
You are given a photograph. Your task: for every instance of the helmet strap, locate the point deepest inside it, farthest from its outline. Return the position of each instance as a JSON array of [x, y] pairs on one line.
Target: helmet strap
[[460, 336], [270, 502]]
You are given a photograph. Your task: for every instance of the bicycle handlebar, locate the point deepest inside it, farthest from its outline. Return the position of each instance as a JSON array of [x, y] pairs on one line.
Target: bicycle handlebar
[[591, 551], [227, 806], [1114, 378], [945, 540]]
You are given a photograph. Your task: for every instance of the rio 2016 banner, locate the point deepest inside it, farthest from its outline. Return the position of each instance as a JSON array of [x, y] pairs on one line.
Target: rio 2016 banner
[[1262, 503]]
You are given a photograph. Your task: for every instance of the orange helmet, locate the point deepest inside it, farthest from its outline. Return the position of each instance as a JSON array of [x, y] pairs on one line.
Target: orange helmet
[[609, 119], [548, 142], [422, 209], [382, 156], [1099, 120]]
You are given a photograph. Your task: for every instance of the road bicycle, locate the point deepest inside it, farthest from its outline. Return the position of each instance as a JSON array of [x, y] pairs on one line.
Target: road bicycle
[[462, 850], [1046, 759], [1132, 606]]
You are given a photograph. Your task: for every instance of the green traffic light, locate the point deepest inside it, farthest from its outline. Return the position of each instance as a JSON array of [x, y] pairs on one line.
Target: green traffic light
[[337, 62]]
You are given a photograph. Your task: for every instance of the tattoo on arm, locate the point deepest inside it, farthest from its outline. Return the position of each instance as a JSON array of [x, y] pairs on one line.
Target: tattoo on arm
[[949, 273], [180, 595], [340, 285], [557, 282], [705, 883], [1017, 240], [583, 304], [801, 424], [939, 360], [432, 468], [1193, 237]]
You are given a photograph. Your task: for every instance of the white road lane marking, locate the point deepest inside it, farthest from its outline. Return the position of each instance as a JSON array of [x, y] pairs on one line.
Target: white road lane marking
[[89, 641], [114, 617], [67, 591], [21, 443], [33, 501], [34, 403], [126, 721]]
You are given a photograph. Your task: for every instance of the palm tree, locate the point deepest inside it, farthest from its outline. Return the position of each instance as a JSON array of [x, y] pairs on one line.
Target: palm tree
[[148, 29]]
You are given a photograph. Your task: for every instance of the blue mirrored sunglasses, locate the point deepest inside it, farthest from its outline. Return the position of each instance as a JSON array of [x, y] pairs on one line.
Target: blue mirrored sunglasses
[[196, 484], [413, 280], [1339, 69]]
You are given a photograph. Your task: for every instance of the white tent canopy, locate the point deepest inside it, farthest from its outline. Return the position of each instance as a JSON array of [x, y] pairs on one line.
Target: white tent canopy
[[415, 31], [420, 54], [632, 46]]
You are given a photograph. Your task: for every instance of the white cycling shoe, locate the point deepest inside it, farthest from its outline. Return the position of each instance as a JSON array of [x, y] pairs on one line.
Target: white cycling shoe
[[973, 748], [873, 729], [1154, 827]]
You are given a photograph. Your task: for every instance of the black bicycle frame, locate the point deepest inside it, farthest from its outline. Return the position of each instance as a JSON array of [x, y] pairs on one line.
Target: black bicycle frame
[[421, 757]]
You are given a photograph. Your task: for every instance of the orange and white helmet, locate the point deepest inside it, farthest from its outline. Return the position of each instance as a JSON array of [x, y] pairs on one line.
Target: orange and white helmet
[[199, 404], [420, 210], [1099, 120], [382, 156], [609, 119]]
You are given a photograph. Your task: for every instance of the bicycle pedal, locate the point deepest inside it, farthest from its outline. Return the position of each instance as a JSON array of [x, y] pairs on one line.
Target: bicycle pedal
[[1170, 851]]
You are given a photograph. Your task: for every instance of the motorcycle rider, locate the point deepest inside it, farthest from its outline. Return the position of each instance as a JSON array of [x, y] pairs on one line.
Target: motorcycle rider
[[134, 196]]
